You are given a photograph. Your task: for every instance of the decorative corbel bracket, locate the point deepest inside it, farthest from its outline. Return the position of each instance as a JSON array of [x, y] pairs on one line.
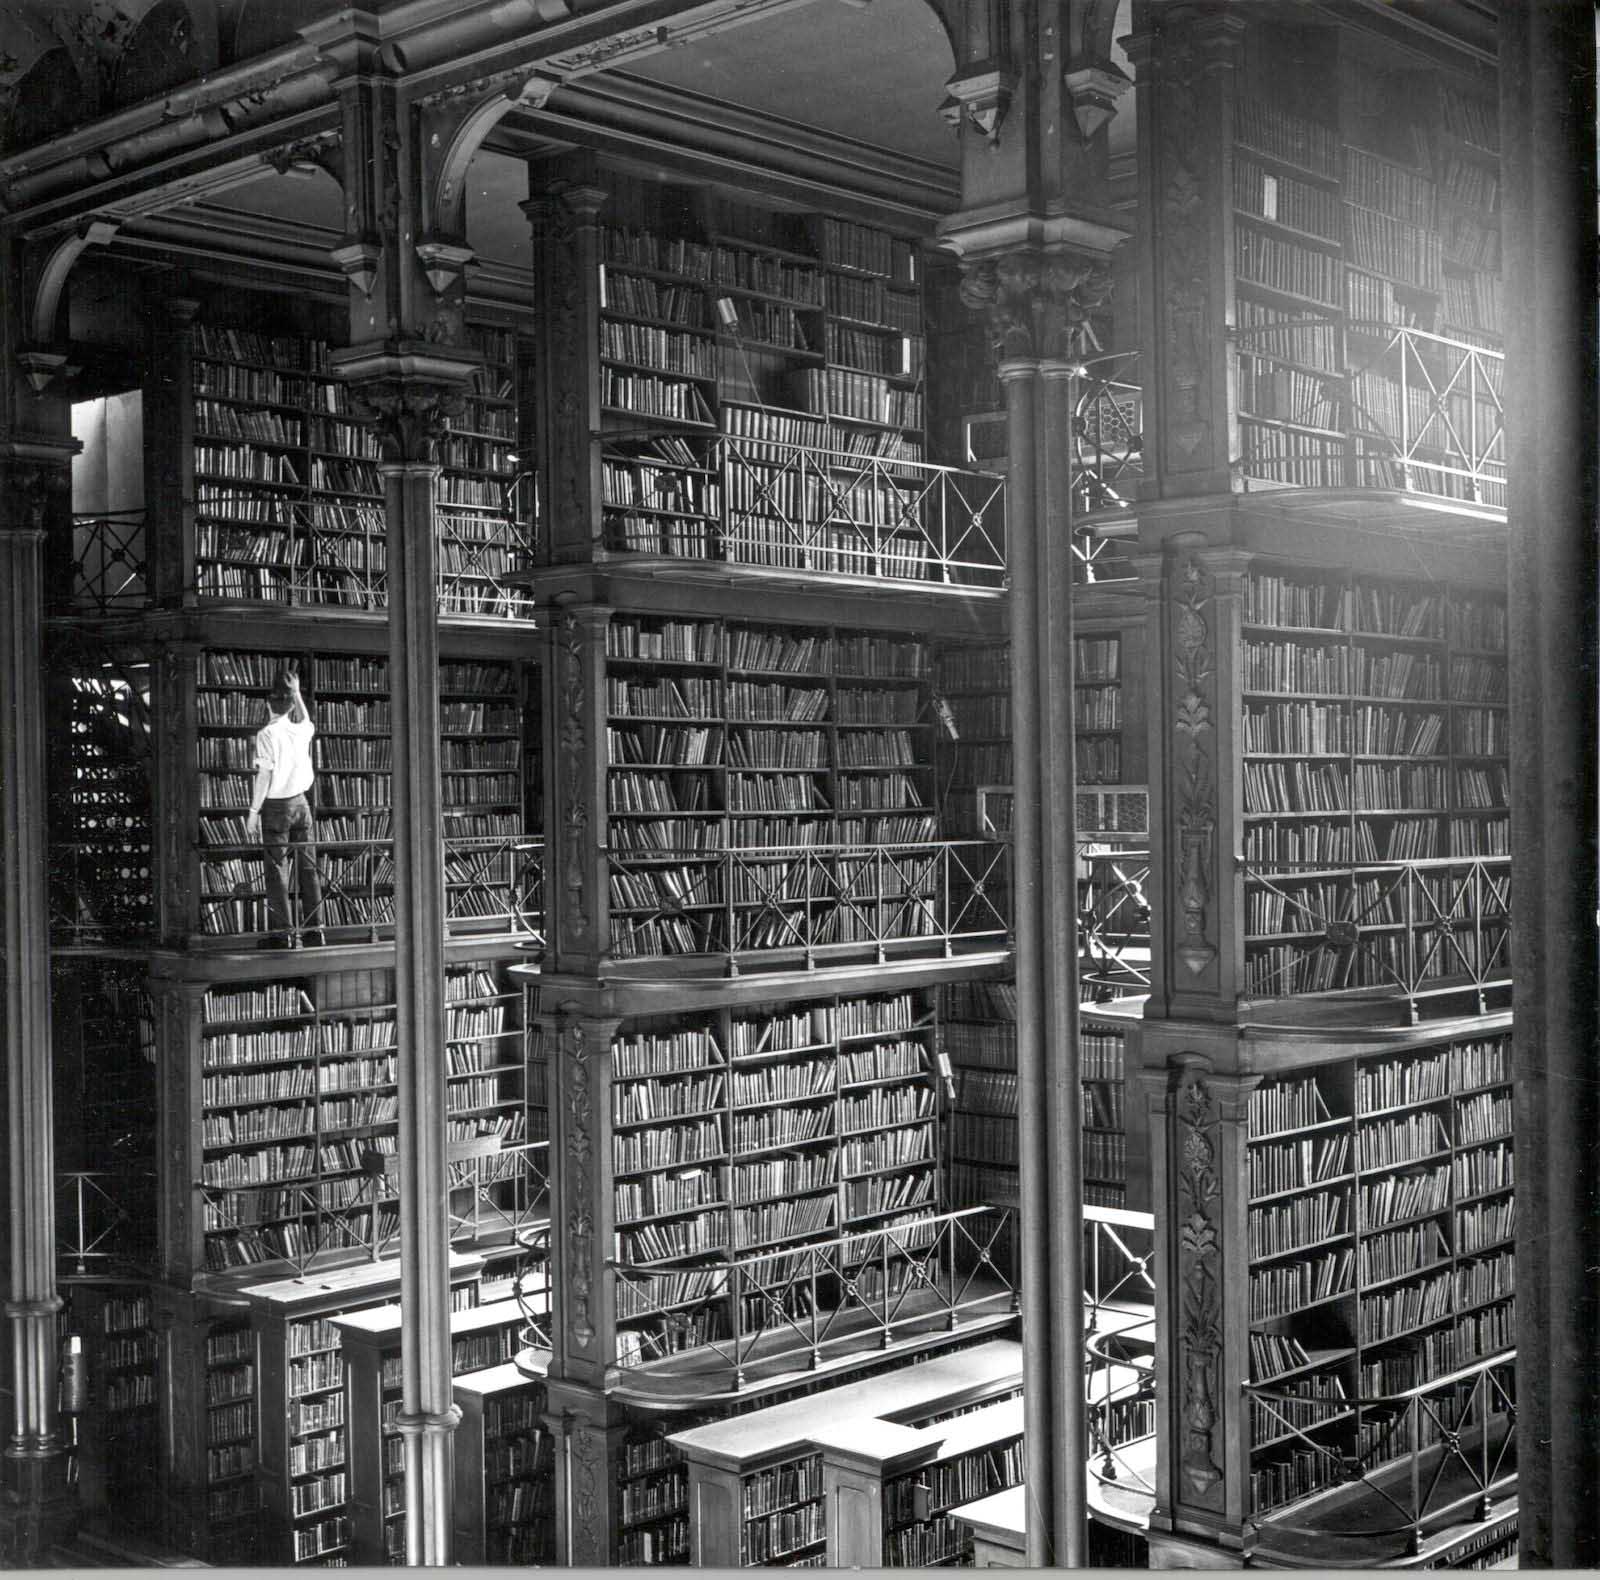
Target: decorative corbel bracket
[[443, 263], [1094, 91], [56, 263], [357, 261], [984, 97], [40, 367]]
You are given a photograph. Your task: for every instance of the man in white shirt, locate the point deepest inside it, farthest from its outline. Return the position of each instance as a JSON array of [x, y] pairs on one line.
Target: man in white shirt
[[280, 815]]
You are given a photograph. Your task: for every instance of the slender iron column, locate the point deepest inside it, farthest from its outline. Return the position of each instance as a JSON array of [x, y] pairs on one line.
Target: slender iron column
[[409, 395], [1020, 378], [1056, 767], [34, 1449]]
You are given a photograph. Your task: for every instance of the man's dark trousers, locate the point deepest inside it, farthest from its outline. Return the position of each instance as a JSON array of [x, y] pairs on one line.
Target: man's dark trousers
[[286, 826]]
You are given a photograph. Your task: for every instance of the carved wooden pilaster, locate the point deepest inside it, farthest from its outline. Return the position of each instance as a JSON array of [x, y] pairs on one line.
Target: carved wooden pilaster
[[1193, 734], [180, 1226], [577, 910], [565, 216], [582, 1205], [588, 1434], [169, 486], [1184, 60], [175, 813], [1199, 1124]]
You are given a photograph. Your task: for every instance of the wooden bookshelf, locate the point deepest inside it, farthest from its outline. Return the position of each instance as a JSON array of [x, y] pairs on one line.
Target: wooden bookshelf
[[1381, 1220], [1372, 732], [748, 1131], [288, 499], [504, 1509], [481, 1337]]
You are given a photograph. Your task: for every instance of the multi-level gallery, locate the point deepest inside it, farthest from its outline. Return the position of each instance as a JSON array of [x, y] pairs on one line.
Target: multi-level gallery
[[770, 770]]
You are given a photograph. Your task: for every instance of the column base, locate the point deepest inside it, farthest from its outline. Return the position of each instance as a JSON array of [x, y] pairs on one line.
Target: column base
[[38, 1509]]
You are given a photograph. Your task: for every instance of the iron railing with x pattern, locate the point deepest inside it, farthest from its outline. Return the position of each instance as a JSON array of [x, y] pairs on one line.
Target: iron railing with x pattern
[[1421, 930], [813, 899], [1423, 414], [1107, 460], [109, 559], [796, 507], [1439, 1453], [492, 883], [808, 1303], [318, 556], [498, 1194], [1113, 921], [1119, 1344], [105, 1222]]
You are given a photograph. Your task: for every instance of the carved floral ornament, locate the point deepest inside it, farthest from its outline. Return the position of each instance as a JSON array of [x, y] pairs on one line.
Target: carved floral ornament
[[578, 1273], [1199, 1346], [409, 415], [1196, 799], [1038, 304]]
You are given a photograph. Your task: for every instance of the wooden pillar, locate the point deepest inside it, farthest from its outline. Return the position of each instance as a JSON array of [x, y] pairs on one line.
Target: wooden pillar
[[1549, 181], [180, 1227], [577, 894], [169, 487], [175, 816], [32, 494], [565, 217], [588, 1431]]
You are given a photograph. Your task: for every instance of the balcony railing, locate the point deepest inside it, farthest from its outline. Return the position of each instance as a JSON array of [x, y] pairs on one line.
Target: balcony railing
[[1440, 1453], [494, 883], [1419, 930], [498, 1192], [302, 562], [816, 900], [1423, 415], [105, 1223], [109, 559], [809, 1304], [782, 506], [1113, 921], [1119, 1353]]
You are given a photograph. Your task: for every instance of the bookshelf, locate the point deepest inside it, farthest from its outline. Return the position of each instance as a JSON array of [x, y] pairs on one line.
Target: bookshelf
[[980, 1453], [817, 1480], [296, 1113], [485, 800], [747, 1131], [756, 367], [1372, 732], [304, 1466], [734, 750], [1366, 259], [231, 1499], [1381, 1218], [482, 1336], [652, 1492], [288, 499], [505, 1461], [121, 1355]]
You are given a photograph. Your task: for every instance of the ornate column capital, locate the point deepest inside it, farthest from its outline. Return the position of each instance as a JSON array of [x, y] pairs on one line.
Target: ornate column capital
[[408, 397], [1037, 303]]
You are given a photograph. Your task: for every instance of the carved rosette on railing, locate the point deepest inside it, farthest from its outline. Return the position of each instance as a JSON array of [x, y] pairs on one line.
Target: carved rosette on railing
[[1199, 1250], [1038, 304], [1194, 773]]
